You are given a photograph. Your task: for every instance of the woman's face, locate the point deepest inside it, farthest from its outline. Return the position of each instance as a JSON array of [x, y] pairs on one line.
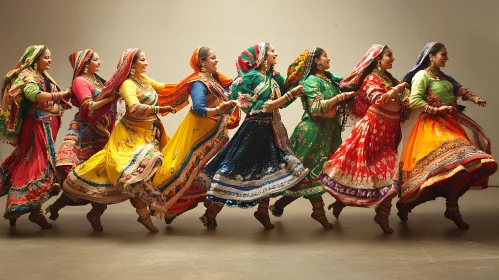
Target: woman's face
[[140, 65], [44, 60], [386, 60], [271, 56], [93, 65], [440, 59], [323, 61], [210, 64]]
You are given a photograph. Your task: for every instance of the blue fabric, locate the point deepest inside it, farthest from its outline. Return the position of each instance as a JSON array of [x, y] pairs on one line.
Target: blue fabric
[[251, 167], [198, 95], [418, 66]]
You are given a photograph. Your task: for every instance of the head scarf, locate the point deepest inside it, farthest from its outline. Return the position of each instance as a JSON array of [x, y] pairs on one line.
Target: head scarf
[[419, 66], [354, 81], [182, 89], [250, 58], [299, 69], [13, 83], [121, 73], [78, 61]]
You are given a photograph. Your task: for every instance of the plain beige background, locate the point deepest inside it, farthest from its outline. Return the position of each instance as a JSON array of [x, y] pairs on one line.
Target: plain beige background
[[169, 31]]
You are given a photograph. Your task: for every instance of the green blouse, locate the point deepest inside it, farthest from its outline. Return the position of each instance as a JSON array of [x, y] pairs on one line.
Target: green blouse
[[426, 90], [317, 90], [254, 91]]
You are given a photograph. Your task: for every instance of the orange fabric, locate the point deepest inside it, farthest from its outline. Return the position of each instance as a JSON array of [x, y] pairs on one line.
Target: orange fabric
[[180, 92]]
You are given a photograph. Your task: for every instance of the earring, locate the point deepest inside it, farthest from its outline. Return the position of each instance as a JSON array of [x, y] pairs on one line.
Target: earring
[[432, 61], [86, 69], [379, 65], [35, 66], [265, 65], [132, 71], [202, 68], [319, 67]]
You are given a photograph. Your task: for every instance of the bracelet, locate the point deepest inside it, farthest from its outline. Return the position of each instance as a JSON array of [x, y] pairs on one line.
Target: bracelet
[[155, 109], [288, 96], [218, 110]]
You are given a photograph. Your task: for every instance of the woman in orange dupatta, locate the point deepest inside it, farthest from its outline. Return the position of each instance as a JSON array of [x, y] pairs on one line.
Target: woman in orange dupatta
[[200, 136], [124, 167]]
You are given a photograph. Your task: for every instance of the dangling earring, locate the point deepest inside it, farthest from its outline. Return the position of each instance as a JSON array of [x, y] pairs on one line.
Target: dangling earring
[[35, 66], [319, 67], [132, 72], [432, 62], [379, 65], [202, 68], [86, 69], [265, 65]]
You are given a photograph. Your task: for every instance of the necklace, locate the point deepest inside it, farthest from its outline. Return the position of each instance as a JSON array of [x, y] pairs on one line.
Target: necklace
[[382, 75], [437, 74], [210, 78], [320, 76], [141, 83], [94, 81]]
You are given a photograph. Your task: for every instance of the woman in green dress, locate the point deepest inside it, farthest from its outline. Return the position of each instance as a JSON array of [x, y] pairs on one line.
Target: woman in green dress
[[318, 134]]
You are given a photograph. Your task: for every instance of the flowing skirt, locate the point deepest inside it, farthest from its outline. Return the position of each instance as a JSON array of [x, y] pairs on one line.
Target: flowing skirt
[[81, 142], [313, 142], [438, 149], [363, 171], [256, 164], [28, 175], [124, 168], [196, 141]]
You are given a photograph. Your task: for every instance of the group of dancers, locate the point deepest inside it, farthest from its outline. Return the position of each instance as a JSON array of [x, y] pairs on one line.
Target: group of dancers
[[116, 148]]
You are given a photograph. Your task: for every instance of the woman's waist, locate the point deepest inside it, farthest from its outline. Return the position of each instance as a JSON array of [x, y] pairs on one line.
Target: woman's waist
[[383, 113]]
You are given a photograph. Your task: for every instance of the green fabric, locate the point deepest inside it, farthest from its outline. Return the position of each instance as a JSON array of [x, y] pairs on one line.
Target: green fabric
[[315, 140], [252, 90], [31, 90], [426, 90]]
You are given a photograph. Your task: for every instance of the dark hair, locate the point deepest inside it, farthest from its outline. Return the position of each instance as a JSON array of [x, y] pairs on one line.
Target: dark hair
[[203, 54], [424, 64], [318, 53], [40, 54], [266, 49], [136, 56], [369, 69]]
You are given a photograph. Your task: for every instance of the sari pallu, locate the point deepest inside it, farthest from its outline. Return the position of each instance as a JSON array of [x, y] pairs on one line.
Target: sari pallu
[[28, 176], [197, 140]]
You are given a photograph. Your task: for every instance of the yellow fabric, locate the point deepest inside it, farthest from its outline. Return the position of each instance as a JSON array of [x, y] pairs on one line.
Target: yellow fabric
[[190, 131]]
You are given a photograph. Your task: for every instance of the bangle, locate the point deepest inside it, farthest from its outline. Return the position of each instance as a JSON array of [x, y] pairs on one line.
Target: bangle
[[155, 109], [288, 96], [218, 110]]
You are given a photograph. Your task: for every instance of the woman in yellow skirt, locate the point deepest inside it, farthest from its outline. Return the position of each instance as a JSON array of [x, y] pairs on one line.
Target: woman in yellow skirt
[[440, 159], [200, 136], [124, 168]]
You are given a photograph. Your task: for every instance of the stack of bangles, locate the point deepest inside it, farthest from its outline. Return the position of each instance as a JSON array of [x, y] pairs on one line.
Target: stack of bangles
[[288, 96], [155, 109], [430, 110], [219, 110], [56, 96]]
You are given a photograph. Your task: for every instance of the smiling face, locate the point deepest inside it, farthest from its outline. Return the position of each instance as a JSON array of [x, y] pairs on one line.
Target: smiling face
[[93, 64], [210, 63], [140, 65], [271, 56], [44, 60], [323, 61], [440, 58], [386, 60]]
